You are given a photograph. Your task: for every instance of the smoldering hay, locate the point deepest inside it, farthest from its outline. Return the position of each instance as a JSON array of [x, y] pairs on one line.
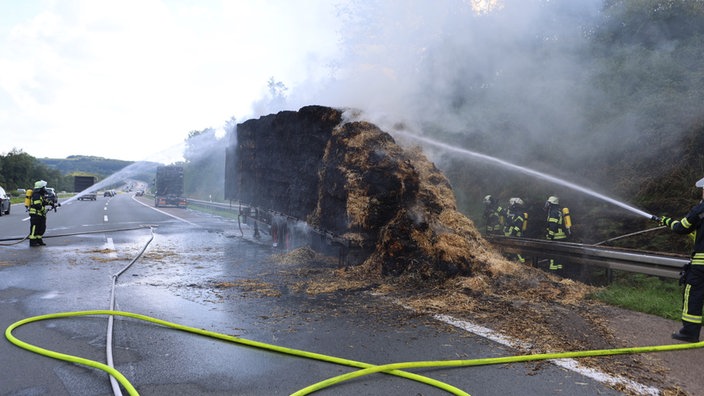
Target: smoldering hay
[[347, 176]]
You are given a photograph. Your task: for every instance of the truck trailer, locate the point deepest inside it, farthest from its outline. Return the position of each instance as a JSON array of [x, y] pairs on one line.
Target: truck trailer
[[169, 187], [82, 183]]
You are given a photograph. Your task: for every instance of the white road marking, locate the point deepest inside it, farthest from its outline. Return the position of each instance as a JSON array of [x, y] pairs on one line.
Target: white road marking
[[162, 212], [110, 246], [569, 364]]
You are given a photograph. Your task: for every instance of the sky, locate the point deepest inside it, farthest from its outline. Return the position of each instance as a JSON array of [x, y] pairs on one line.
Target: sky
[[129, 79]]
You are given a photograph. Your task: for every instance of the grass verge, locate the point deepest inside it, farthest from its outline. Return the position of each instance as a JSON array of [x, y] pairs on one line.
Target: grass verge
[[643, 293]]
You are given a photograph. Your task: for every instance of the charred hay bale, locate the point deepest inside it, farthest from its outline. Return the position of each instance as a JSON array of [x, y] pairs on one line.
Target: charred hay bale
[[364, 180], [352, 179], [277, 158]]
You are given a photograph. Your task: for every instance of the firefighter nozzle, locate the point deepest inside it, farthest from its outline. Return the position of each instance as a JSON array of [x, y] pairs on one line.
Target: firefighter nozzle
[[655, 218]]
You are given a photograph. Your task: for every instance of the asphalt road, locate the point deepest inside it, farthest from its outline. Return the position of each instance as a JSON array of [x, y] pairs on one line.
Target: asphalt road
[[186, 275]]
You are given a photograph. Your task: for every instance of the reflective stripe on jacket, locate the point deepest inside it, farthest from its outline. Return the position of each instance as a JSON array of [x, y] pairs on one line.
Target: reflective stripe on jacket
[[37, 205], [692, 223], [555, 228]]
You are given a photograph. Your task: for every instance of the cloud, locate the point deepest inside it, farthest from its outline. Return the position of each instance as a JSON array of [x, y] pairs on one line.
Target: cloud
[[89, 77]]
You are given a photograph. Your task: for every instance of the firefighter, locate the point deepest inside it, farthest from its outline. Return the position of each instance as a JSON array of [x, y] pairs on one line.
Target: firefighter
[[692, 273], [558, 226], [38, 203], [493, 216], [516, 222]]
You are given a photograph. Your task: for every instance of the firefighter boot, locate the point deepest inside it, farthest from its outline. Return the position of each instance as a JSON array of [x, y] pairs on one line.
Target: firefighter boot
[[40, 242], [689, 332], [33, 242]]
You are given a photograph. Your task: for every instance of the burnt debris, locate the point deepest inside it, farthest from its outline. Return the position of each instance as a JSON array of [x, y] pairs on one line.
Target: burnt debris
[[351, 178]]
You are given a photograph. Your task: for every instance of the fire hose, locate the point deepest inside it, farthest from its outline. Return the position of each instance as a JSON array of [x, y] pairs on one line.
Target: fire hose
[[116, 376], [364, 368]]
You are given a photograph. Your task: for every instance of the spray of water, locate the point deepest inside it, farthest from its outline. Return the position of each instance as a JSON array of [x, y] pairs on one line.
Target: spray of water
[[203, 145], [131, 171], [526, 171]]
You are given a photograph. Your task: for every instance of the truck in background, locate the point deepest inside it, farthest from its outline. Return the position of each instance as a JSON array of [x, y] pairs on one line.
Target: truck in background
[[168, 187], [81, 183]]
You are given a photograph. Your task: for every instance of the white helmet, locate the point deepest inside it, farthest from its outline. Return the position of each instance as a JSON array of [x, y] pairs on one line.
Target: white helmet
[[39, 184], [488, 200], [554, 200], [700, 183], [515, 202]]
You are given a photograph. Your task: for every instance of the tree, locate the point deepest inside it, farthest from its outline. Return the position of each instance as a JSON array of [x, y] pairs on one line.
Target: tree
[[204, 170]]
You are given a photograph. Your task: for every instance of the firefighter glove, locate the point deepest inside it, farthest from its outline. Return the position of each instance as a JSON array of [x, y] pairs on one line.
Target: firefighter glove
[[664, 220], [683, 273]]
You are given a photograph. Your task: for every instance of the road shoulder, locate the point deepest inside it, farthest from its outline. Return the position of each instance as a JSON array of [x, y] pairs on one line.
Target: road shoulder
[[683, 368]]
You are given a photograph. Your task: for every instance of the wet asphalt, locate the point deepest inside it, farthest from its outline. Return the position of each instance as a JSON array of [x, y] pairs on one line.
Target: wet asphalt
[[200, 272]]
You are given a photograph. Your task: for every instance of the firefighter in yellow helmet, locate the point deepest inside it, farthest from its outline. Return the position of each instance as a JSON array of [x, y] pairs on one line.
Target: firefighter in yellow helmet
[[516, 221], [38, 203], [559, 224], [692, 273]]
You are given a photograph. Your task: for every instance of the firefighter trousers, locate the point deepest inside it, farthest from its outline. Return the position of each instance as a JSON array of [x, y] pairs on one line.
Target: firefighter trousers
[[37, 226], [693, 297]]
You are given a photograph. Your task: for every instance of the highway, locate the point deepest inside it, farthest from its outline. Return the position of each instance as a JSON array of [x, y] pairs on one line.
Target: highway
[[186, 275]]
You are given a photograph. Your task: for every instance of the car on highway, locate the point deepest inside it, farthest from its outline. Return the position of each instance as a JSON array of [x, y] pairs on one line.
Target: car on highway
[[91, 196], [109, 193], [51, 196], [5, 203]]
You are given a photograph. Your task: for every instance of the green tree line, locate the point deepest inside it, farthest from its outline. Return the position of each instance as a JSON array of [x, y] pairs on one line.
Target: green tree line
[[20, 170]]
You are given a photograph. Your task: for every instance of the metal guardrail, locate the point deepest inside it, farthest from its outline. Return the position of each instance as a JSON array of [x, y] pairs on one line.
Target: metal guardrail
[[216, 205], [643, 262]]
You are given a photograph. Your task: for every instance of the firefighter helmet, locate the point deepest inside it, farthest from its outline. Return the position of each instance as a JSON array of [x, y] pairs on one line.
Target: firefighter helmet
[[515, 202], [700, 183], [554, 200], [488, 200], [39, 184]]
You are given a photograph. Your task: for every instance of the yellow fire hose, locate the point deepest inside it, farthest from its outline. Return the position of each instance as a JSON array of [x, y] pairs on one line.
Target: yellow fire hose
[[132, 391], [489, 361], [365, 368]]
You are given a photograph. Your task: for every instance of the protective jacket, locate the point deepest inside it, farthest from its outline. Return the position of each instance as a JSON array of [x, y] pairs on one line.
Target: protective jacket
[[556, 223], [692, 223], [38, 204], [516, 222], [494, 219]]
